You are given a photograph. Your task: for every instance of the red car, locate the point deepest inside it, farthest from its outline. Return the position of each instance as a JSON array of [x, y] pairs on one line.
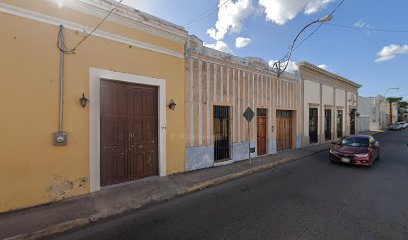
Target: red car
[[357, 150]]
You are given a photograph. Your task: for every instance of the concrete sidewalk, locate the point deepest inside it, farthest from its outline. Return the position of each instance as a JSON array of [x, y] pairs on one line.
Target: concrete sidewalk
[[41, 221]]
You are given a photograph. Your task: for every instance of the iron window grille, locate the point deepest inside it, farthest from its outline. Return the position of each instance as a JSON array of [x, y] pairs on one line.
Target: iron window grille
[[221, 117]]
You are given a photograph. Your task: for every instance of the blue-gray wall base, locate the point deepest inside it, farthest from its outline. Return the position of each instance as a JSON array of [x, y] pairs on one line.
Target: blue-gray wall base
[[240, 151], [199, 157]]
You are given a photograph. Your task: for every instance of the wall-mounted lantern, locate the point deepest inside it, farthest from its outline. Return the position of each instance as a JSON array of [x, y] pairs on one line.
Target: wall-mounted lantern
[[172, 104], [83, 100]]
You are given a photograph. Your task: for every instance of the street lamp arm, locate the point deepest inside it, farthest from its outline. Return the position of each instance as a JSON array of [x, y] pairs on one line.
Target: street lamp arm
[[289, 54], [293, 45], [386, 92]]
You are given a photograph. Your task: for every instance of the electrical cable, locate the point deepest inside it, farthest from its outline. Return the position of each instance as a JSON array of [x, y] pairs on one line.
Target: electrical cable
[[205, 14], [318, 27], [367, 28], [72, 50]]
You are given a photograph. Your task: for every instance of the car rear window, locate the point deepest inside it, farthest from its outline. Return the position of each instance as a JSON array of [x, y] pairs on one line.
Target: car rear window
[[354, 142]]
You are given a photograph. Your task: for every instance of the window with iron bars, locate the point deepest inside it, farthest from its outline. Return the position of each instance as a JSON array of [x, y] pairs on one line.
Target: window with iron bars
[[221, 117]]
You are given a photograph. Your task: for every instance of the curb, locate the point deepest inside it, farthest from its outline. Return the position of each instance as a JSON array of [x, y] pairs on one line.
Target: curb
[[81, 222], [247, 172], [226, 178], [59, 228]]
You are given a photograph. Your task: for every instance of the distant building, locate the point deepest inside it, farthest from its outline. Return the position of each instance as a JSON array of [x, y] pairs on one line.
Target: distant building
[[374, 113], [405, 116]]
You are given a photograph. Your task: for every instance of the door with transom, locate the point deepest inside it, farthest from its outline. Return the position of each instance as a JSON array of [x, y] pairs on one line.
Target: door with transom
[[129, 133], [261, 130], [284, 127]]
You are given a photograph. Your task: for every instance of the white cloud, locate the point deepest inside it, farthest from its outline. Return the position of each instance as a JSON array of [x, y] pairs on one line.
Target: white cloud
[[389, 52], [231, 18], [220, 46], [241, 42], [292, 67], [315, 6], [323, 66], [281, 11], [360, 24]]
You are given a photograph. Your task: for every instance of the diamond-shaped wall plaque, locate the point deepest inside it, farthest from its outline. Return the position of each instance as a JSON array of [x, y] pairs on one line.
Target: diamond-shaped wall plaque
[[249, 114]]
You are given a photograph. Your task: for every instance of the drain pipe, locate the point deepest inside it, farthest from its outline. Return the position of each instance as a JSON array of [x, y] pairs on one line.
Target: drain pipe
[[61, 137]]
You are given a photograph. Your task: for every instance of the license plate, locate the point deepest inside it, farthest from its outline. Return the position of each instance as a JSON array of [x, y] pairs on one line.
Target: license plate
[[345, 160]]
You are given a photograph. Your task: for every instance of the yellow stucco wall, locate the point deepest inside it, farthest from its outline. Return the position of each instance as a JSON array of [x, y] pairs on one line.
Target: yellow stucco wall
[[32, 170]]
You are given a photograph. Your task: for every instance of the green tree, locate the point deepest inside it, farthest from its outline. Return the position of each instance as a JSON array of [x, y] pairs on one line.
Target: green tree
[[394, 99], [403, 104]]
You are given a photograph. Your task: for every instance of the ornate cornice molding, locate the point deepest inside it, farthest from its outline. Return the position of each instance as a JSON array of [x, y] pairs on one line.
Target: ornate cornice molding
[[305, 66], [13, 10], [129, 17]]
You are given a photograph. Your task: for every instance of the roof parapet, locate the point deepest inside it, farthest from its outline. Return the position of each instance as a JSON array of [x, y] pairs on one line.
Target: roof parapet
[[196, 45], [309, 66]]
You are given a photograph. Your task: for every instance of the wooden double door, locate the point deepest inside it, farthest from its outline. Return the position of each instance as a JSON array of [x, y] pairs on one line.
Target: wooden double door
[[129, 132], [284, 131]]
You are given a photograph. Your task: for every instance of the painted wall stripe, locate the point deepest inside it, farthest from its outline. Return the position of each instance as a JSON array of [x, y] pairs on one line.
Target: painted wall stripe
[[215, 82], [208, 105], [280, 93], [253, 105], [191, 102], [200, 103], [228, 83], [243, 104], [266, 91], [239, 105], [269, 127], [222, 83], [233, 106]]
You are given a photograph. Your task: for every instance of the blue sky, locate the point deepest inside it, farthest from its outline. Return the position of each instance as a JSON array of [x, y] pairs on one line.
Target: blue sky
[[349, 50]]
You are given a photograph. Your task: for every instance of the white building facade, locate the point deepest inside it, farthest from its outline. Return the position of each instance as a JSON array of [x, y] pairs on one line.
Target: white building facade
[[375, 113], [329, 104]]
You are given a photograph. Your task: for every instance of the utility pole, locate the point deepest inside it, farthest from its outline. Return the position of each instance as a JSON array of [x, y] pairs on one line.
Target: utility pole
[[392, 100], [390, 113], [385, 99]]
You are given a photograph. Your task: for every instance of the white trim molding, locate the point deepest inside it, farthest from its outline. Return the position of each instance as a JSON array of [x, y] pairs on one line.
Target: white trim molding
[[36, 16], [95, 76], [129, 17]]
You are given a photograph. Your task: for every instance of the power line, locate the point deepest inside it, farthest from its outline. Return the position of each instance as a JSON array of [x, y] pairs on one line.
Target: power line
[[318, 27], [367, 28], [72, 50], [205, 14]]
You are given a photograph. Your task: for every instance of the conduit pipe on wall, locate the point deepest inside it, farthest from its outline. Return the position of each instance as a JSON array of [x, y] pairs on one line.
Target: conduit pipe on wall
[[61, 97], [61, 137]]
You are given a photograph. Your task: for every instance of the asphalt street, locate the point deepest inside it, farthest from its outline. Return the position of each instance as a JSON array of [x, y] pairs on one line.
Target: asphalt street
[[307, 199]]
